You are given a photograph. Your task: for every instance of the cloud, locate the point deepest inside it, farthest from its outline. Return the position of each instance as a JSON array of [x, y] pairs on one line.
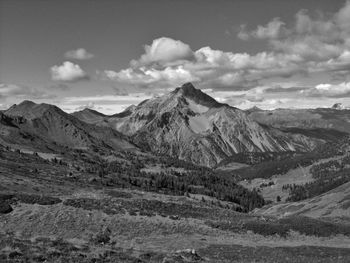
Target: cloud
[[11, 93], [273, 30], [312, 46], [243, 34], [314, 38], [329, 90], [59, 86], [207, 67], [145, 77], [164, 51], [79, 54], [279, 89], [68, 72]]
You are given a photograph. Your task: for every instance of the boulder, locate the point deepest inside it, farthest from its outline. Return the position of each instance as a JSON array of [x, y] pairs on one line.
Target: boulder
[[5, 208]]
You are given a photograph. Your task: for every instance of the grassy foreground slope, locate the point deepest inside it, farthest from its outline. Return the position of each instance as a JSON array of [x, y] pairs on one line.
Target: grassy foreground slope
[[69, 210]]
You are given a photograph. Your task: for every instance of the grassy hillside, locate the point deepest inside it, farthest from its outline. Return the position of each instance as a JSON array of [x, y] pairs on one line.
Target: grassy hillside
[[80, 206]]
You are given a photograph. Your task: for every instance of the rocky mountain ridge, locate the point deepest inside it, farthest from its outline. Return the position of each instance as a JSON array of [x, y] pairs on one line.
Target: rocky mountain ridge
[[189, 124]]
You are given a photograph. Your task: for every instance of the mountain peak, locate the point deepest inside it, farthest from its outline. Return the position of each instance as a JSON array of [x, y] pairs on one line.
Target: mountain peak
[[30, 109], [188, 88], [190, 92], [254, 109], [27, 103], [338, 106]]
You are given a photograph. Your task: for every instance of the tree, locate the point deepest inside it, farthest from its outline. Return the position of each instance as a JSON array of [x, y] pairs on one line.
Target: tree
[[278, 198]]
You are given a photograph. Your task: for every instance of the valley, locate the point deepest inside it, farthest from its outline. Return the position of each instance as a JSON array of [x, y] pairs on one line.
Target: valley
[[177, 178]]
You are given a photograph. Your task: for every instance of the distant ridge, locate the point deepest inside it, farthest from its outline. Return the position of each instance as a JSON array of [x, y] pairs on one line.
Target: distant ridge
[[42, 125]]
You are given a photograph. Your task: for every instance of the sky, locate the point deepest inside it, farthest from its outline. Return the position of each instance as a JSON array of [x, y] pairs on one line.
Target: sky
[[107, 55]]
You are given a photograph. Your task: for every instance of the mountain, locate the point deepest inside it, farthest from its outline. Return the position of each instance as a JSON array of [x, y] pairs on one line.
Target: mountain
[[338, 106], [46, 126], [324, 119], [191, 125], [253, 109], [89, 116]]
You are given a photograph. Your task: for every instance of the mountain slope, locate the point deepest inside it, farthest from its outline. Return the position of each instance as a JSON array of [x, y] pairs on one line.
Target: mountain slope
[[334, 203], [89, 116], [307, 119], [191, 125], [46, 124]]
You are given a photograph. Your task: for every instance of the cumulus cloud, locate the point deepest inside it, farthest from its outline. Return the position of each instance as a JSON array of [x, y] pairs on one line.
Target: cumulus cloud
[[206, 66], [79, 54], [68, 72], [312, 44], [164, 51], [320, 37]]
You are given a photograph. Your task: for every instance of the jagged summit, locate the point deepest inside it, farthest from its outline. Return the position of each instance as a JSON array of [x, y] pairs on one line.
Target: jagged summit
[[189, 91]]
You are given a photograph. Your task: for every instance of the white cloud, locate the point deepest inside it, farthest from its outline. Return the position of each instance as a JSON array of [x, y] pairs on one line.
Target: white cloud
[[68, 72], [273, 30], [210, 67], [19, 91], [79, 54], [10, 94], [311, 46], [164, 51], [329, 90], [313, 38]]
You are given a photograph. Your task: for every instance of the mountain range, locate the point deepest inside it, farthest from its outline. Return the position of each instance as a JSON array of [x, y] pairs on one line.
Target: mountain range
[[272, 178], [186, 123], [191, 125]]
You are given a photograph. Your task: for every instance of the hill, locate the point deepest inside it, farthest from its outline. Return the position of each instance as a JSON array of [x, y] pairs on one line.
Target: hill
[[46, 127]]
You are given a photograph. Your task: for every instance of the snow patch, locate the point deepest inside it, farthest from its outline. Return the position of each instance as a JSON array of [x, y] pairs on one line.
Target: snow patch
[[199, 124], [195, 107]]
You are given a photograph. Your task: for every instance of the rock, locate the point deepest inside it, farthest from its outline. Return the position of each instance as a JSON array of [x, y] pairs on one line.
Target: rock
[[5, 208], [338, 106], [185, 255]]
